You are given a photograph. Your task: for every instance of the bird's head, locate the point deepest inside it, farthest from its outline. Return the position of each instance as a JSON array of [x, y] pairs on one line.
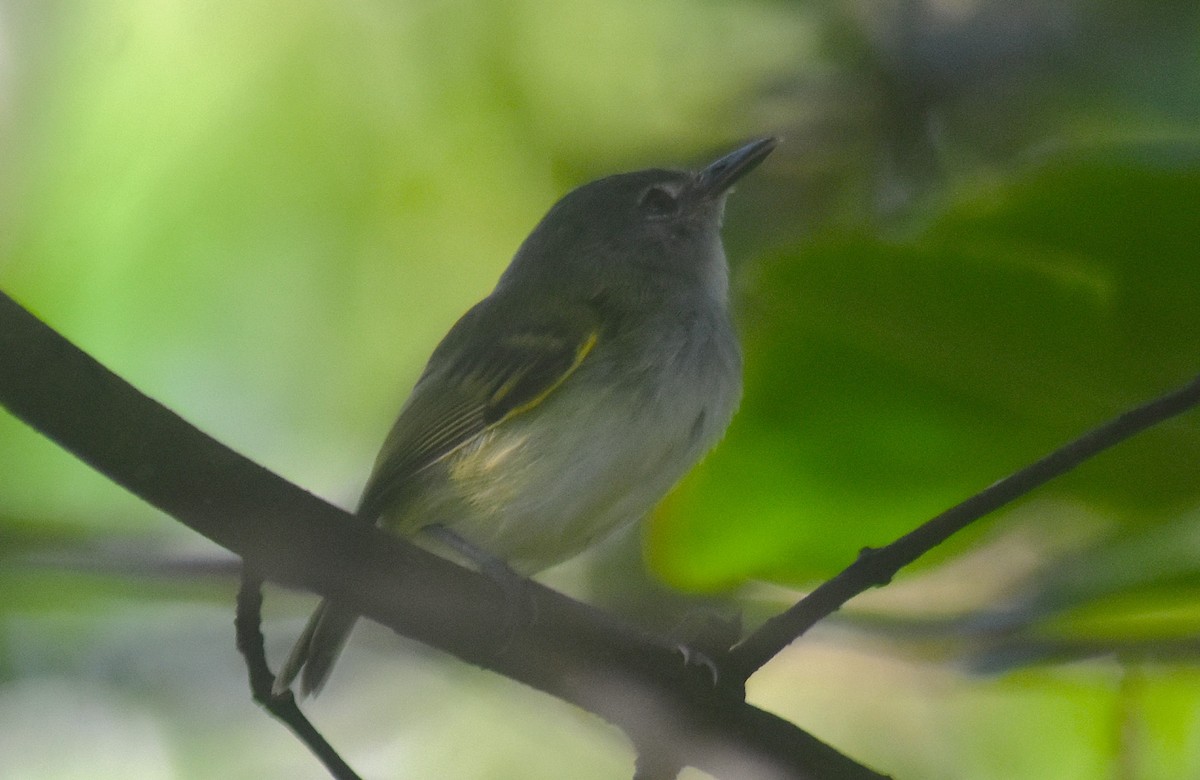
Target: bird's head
[[625, 229]]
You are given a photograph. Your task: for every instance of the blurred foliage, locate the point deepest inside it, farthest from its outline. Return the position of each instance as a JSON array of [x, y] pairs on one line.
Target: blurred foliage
[[978, 241], [892, 377]]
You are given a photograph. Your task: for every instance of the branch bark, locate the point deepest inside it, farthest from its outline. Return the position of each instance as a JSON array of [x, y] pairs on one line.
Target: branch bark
[[287, 535]]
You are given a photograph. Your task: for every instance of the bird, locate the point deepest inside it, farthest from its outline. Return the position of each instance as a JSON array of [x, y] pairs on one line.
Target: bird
[[565, 404]]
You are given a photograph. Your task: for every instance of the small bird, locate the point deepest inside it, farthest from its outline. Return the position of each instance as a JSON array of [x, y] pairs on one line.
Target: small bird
[[570, 400]]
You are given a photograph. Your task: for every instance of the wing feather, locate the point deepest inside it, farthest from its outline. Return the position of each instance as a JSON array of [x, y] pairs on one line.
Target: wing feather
[[491, 366]]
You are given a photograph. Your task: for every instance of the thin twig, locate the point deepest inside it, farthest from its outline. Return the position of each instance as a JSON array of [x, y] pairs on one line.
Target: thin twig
[[250, 644], [878, 566]]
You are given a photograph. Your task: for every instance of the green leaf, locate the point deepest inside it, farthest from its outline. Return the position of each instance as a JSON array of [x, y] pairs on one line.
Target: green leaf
[[890, 379]]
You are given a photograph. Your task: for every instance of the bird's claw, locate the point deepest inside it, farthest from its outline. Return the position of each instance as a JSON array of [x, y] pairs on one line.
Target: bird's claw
[[695, 657]]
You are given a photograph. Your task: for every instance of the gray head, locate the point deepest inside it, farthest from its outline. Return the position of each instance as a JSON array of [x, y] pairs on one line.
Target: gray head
[[636, 228]]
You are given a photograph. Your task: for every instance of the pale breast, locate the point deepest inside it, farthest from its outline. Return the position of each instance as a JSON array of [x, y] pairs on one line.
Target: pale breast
[[599, 452]]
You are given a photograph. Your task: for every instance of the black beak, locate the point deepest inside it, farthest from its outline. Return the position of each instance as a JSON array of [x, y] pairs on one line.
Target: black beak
[[719, 176]]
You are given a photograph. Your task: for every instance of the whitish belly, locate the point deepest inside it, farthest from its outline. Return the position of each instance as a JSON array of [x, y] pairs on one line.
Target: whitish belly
[[540, 489]]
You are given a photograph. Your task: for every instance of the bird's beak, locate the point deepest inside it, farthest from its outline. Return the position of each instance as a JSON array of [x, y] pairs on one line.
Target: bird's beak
[[719, 176]]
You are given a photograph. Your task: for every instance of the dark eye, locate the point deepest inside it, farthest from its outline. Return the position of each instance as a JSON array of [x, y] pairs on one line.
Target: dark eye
[[658, 202]]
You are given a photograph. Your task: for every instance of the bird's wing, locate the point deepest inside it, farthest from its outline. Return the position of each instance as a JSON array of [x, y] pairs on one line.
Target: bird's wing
[[491, 366]]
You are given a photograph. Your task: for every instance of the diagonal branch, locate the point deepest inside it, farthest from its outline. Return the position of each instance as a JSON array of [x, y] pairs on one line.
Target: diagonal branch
[[571, 651], [878, 566]]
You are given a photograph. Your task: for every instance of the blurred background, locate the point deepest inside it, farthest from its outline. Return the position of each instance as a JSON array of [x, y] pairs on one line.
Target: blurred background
[[978, 240]]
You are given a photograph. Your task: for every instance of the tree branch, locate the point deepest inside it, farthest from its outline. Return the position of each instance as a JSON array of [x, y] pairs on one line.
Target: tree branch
[[571, 650], [878, 566], [247, 624]]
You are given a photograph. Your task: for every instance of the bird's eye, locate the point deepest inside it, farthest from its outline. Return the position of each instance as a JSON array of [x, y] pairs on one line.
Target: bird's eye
[[659, 202]]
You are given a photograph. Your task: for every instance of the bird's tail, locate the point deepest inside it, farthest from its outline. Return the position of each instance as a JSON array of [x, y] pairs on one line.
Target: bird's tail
[[315, 651]]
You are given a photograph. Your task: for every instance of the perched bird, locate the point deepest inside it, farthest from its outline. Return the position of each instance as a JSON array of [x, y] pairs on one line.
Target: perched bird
[[567, 402]]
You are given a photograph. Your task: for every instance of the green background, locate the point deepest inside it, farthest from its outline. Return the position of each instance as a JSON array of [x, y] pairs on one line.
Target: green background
[[977, 241]]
